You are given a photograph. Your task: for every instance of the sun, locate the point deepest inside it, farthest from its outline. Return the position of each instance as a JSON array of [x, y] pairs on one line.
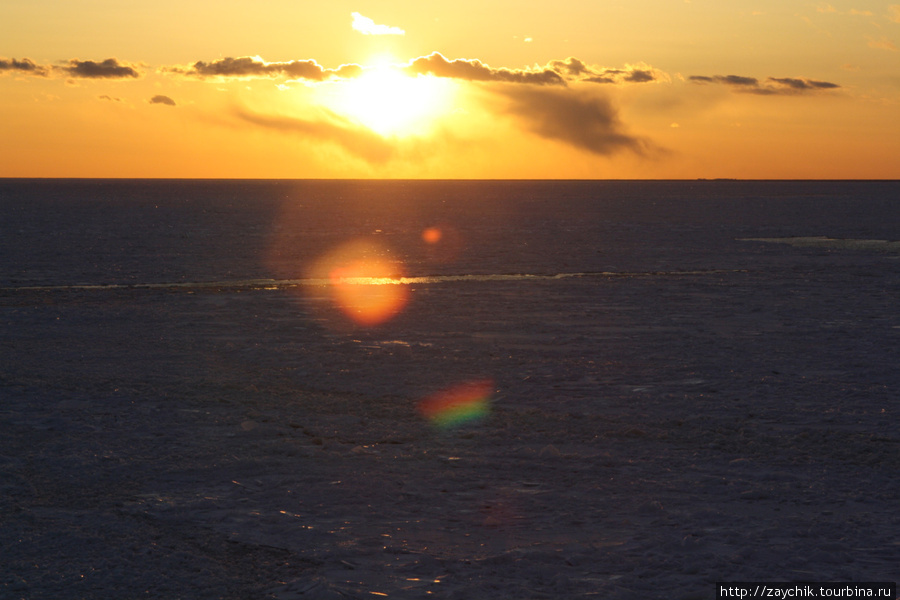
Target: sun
[[392, 103]]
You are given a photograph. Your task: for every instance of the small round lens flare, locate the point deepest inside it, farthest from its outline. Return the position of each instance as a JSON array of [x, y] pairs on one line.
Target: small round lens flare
[[432, 235], [363, 281], [442, 242]]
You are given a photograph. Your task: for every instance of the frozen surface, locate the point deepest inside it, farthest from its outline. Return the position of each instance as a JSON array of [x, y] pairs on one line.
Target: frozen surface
[[693, 403]]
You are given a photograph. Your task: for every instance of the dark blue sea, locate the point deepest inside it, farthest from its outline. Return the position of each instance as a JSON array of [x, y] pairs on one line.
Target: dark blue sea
[[211, 389], [59, 232]]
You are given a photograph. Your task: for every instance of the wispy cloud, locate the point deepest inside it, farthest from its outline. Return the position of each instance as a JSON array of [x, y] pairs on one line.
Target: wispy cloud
[[882, 44], [358, 141], [894, 13], [26, 66], [827, 8], [367, 26], [735, 80], [803, 85], [110, 68], [575, 117], [771, 86]]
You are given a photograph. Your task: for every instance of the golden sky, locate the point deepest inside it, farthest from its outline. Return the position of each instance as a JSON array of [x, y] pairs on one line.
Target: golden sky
[[488, 89]]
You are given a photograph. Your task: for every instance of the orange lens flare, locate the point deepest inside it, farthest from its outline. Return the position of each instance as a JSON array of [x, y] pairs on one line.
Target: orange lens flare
[[364, 282], [432, 235], [442, 243]]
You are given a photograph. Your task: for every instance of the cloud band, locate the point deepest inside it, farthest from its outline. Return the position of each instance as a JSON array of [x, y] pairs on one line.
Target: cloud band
[[255, 66], [772, 85]]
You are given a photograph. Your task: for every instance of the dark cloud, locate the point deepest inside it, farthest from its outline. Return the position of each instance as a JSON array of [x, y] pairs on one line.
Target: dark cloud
[[773, 85], [735, 80], [573, 69], [26, 66], [160, 99], [557, 72], [600, 79], [356, 140], [254, 66], [640, 76], [110, 68], [110, 98], [804, 84], [475, 70], [582, 120], [739, 80]]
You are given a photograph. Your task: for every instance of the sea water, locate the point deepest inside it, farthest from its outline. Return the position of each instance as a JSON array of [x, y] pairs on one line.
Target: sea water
[[481, 389], [569, 290], [77, 232]]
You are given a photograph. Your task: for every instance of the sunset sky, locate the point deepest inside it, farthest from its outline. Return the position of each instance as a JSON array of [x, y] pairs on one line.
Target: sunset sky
[[488, 89]]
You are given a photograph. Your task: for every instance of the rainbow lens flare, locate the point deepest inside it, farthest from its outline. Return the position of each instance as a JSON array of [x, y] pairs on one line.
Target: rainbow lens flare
[[461, 404]]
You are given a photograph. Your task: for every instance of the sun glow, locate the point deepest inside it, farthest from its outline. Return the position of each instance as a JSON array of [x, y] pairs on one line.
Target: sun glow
[[389, 102]]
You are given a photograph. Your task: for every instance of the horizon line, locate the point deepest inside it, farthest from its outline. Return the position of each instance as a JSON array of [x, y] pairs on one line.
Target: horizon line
[[449, 179]]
